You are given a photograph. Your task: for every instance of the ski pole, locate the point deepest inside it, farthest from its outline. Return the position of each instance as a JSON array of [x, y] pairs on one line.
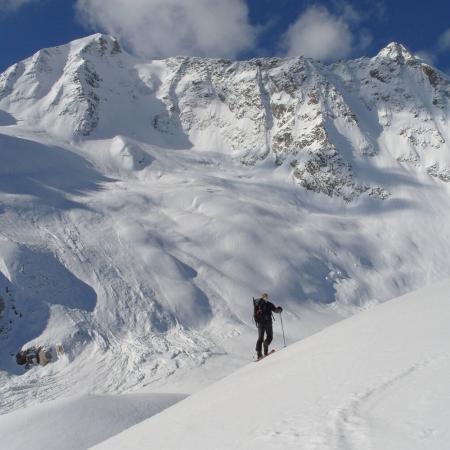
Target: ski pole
[[284, 339]]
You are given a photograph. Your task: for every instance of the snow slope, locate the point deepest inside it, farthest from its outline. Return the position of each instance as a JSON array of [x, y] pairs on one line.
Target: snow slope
[[378, 380], [78, 422], [143, 204]]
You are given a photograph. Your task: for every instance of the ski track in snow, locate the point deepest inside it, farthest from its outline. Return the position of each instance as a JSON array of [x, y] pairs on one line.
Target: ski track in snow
[[353, 424], [350, 425]]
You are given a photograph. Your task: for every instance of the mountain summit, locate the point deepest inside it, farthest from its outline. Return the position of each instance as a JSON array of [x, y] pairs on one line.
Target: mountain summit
[[397, 52]]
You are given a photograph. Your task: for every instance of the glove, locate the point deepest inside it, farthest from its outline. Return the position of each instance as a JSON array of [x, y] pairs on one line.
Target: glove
[[279, 309]]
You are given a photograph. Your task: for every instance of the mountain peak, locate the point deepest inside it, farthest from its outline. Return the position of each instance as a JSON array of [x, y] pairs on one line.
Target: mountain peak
[[98, 43], [397, 52]]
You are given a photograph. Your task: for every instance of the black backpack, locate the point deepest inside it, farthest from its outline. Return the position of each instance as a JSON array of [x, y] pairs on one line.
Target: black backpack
[[260, 311]]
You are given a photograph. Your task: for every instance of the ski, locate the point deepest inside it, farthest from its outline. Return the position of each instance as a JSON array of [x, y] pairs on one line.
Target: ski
[[265, 356]]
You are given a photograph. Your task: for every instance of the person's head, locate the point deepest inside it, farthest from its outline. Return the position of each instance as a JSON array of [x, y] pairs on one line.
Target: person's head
[[265, 296]]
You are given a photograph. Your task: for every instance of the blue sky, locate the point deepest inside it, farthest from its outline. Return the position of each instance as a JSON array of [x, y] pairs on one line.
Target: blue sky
[[327, 30]]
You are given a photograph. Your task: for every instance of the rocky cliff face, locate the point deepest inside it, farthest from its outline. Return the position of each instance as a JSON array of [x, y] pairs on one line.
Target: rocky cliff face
[[328, 123]]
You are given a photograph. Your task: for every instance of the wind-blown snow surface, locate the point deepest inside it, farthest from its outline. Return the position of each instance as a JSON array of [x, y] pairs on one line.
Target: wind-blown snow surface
[[143, 204], [378, 380]]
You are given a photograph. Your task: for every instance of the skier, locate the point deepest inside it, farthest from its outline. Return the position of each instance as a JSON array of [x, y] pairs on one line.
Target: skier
[[263, 310]]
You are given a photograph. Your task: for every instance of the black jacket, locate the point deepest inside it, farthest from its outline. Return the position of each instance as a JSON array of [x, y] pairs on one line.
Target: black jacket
[[264, 310]]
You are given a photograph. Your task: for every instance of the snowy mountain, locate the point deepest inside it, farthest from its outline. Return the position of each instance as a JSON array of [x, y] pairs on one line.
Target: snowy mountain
[[326, 121], [144, 203]]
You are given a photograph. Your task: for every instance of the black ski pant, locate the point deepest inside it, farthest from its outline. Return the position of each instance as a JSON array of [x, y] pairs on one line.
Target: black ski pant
[[264, 328]]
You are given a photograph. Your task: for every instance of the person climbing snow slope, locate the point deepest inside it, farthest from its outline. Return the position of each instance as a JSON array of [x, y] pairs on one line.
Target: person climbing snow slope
[[263, 310]]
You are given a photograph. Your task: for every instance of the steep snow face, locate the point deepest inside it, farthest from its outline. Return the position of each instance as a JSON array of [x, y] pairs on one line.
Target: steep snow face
[[409, 101], [143, 204], [60, 89], [377, 380]]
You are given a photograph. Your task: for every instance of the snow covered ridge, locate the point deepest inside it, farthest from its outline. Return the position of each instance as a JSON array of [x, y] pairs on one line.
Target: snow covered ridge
[[325, 122]]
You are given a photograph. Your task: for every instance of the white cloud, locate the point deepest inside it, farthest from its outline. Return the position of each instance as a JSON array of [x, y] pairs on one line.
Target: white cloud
[[364, 39], [161, 28], [11, 5], [428, 57], [319, 34], [444, 41], [347, 12]]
